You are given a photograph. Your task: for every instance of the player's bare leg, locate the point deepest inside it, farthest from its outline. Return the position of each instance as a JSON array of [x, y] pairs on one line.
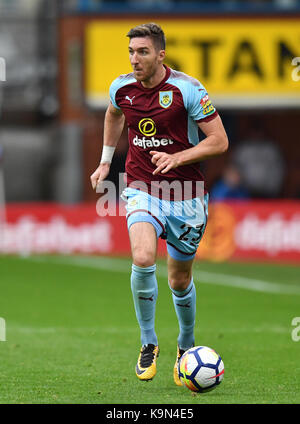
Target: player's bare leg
[[143, 242], [179, 273], [184, 299]]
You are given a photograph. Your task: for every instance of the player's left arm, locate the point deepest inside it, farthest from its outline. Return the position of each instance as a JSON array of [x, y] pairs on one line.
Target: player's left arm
[[215, 143]]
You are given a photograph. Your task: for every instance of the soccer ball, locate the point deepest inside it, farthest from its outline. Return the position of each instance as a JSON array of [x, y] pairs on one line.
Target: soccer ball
[[201, 369]]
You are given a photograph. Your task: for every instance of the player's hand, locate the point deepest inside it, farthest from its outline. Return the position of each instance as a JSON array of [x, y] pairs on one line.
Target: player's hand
[[163, 161], [99, 175]]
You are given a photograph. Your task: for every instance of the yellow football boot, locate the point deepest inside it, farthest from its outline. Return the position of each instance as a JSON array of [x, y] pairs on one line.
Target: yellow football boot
[[146, 365], [177, 381]]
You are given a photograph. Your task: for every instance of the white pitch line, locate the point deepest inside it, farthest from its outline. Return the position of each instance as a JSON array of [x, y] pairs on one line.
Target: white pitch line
[[203, 277], [247, 283]]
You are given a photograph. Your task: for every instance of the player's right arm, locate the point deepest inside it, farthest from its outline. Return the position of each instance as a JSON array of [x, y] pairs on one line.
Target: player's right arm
[[113, 127]]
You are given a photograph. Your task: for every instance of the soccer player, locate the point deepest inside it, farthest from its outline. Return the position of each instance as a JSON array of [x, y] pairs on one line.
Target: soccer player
[[164, 110]]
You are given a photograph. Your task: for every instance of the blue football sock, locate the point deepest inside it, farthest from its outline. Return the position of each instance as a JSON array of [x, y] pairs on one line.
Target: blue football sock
[[185, 307], [144, 290]]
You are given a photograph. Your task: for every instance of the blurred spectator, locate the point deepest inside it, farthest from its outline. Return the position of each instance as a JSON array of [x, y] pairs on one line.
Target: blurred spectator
[[230, 186], [288, 4], [261, 165]]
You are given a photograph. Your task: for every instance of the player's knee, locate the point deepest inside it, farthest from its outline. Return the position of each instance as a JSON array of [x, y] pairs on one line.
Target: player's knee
[[180, 280], [143, 259]]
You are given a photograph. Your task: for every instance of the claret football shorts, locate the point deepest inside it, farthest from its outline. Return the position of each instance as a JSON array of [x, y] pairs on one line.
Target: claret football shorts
[[181, 223]]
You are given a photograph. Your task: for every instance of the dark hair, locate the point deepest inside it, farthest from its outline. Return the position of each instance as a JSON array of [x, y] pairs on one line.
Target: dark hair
[[152, 31]]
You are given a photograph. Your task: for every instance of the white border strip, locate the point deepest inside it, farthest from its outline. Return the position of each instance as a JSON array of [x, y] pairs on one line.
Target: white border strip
[[203, 277]]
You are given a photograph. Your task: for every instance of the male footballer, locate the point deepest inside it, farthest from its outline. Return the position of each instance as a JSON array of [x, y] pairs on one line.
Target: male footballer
[[164, 110]]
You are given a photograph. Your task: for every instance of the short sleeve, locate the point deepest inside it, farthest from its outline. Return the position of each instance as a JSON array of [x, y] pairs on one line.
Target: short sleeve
[[115, 85], [199, 103]]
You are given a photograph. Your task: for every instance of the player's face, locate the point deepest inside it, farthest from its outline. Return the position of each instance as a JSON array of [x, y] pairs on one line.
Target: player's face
[[144, 58]]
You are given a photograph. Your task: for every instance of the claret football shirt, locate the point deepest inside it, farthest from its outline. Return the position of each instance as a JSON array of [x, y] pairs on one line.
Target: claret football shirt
[[162, 118]]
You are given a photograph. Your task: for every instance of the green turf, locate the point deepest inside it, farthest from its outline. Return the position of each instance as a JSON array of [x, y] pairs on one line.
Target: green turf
[[72, 336]]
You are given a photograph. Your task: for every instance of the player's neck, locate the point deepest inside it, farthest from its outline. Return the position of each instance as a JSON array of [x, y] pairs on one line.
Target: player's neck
[[156, 78]]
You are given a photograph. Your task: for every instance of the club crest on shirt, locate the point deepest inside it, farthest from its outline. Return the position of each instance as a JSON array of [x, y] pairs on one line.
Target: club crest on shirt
[[132, 202], [165, 98]]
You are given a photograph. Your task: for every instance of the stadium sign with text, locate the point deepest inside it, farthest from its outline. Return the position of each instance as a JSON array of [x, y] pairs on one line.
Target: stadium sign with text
[[254, 230], [241, 62]]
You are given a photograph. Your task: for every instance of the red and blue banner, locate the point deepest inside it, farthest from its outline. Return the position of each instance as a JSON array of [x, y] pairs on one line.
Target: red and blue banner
[[250, 230]]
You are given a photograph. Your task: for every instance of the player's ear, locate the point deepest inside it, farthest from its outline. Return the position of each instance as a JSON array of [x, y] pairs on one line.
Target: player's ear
[[162, 55]]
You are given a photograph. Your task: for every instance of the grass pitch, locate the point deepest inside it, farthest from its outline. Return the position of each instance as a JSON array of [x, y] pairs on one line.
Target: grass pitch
[[72, 335]]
